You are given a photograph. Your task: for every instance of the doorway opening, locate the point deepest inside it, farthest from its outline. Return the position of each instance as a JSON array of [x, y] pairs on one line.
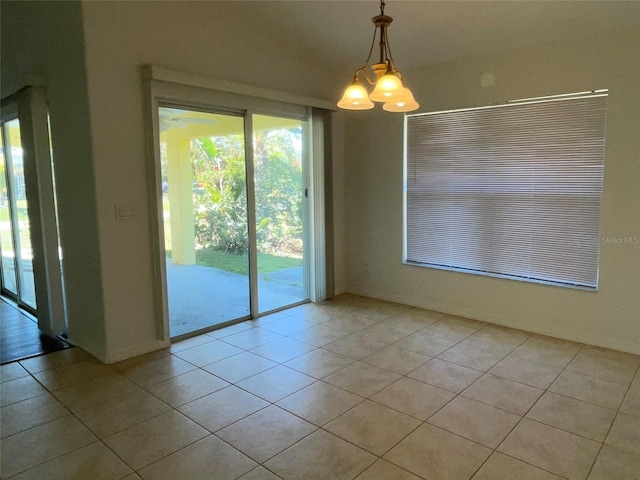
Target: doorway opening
[[32, 313], [233, 215], [15, 237]]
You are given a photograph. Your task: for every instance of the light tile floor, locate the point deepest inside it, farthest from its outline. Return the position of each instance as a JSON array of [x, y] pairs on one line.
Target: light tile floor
[[351, 389]]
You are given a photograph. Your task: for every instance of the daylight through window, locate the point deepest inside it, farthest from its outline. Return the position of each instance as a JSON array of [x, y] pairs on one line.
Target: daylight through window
[[511, 190]]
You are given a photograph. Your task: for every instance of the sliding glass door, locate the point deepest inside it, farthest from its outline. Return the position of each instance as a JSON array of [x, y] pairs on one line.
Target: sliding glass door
[[204, 193], [233, 203], [9, 280], [279, 150], [15, 239]]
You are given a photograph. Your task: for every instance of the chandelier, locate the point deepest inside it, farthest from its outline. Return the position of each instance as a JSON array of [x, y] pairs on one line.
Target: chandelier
[[389, 84]]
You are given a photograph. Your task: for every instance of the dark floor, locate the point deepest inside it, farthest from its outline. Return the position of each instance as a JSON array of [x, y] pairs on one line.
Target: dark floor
[[20, 336]]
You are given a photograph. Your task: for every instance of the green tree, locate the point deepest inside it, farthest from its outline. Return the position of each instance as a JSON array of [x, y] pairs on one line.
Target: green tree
[[220, 187], [278, 174]]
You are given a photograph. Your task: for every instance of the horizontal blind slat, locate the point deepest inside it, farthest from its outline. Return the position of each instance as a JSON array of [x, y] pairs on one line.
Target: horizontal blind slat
[[513, 191]]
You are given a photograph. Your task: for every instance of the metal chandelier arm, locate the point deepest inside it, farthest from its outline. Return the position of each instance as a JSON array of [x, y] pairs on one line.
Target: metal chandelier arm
[[369, 80], [388, 51], [373, 42]]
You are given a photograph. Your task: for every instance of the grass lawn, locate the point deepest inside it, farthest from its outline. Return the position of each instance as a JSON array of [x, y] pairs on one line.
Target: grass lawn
[[22, 211], [240, 264]]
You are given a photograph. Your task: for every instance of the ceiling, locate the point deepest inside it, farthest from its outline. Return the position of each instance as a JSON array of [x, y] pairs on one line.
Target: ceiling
[[338, 33]]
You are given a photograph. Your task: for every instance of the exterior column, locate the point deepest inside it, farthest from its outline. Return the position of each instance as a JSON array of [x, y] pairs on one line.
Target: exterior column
[[180, 178]]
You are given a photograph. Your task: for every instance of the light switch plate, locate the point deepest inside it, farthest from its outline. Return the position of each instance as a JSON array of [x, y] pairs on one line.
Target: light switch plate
[[126, 211]]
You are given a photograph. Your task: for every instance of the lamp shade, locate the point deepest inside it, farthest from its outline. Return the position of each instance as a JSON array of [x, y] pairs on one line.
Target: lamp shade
[[404, 102], [388, 87], [355, 97]]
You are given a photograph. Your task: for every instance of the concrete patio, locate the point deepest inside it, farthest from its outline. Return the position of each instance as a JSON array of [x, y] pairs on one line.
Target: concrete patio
[[201, 297]]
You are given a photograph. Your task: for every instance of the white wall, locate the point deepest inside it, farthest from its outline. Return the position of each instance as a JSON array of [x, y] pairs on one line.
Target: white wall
[[203, 38], [609, 317], [98, 139], [46, 39], [91, 54]]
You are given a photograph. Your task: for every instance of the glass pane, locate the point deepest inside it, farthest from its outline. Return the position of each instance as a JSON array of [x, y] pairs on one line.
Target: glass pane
[[6, 239], [279, 191], [20, 215], [205, 218]]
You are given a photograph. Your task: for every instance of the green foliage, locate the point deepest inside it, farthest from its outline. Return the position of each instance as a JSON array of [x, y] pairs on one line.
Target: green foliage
[[220, 187], [278, 173]]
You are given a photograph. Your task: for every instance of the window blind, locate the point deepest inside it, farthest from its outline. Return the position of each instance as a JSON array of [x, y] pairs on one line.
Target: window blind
[[512, 190]]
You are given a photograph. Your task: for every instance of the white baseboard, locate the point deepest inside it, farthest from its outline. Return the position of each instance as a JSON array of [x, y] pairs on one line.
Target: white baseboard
[[118, 355], [628, 346]]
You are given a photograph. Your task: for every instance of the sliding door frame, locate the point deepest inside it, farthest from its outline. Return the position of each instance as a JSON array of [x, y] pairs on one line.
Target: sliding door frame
[[10, 113], [307, 210], [29, 106], [254, 294], [166, 88]]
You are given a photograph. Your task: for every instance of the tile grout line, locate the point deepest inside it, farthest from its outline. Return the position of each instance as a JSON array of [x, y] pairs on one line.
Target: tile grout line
[[530, 419], [494, 450], [100, 440], [97, 438], [322, 427], [316, 380], [459, 394], [593, 464], [422, 422], [405, 376]]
